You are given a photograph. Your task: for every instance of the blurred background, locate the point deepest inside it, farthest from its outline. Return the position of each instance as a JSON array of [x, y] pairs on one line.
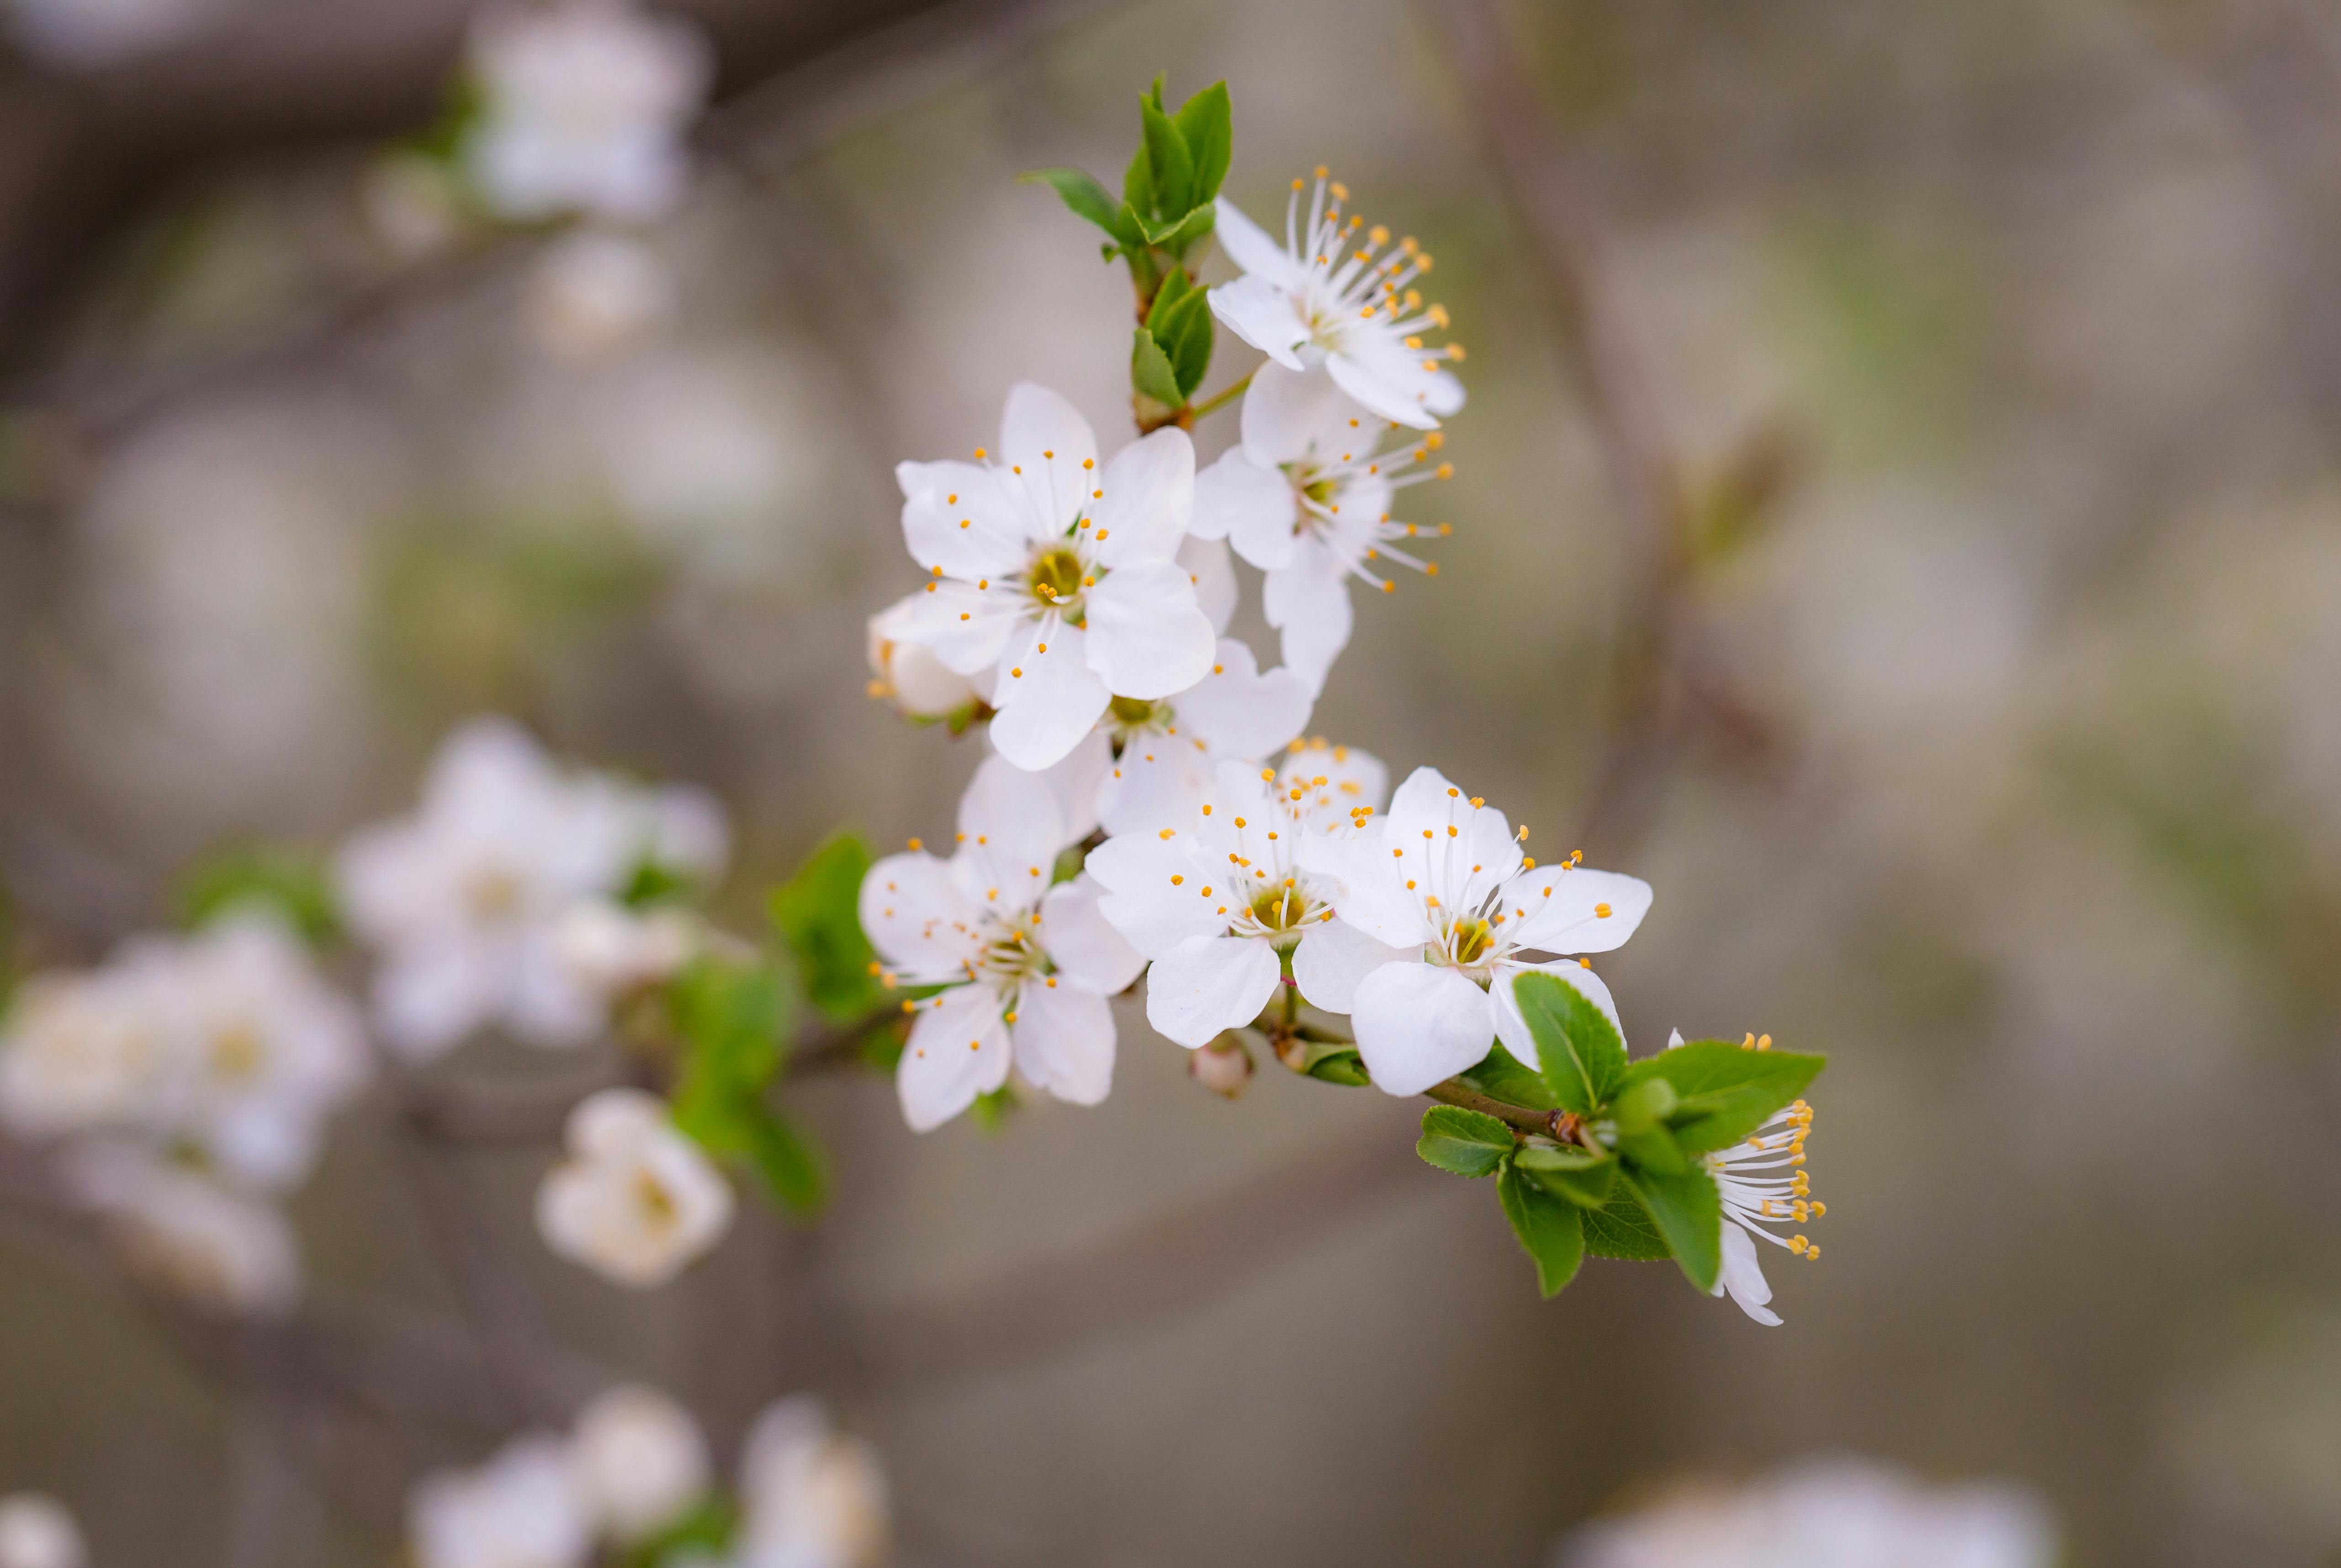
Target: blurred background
[[1998, 351]]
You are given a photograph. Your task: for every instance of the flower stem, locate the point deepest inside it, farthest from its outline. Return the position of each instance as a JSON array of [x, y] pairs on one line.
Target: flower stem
[[1453, 1092], [1224, 396]]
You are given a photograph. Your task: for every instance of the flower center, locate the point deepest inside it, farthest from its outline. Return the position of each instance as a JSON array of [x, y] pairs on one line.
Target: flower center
[[1279, 908], [1056, 576], [492, 892], [237, 1053], [1130, 713], [1469, 941], [658, 1204], [1321, 491]]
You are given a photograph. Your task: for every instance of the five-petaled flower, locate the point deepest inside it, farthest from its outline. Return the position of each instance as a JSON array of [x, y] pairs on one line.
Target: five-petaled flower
[[636, 1200], [1333, 293], [1450, 911], [1024, 968], [1063, 576]]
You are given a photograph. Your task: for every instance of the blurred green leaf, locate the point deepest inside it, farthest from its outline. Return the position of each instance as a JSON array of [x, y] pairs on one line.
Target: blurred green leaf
[[1724, 1090], [1501, 1076], [1086, 198], [818, 913], [733, 1019], [1577, 1045], [296, 888], [1151, 373], [993, 1110], [794, 1168], [1206, 124], [1623, 1229], [1548, 1227], [652, 883], [1688, 1212], [1468, 1143], [1169, 163], [1580, 1176], [706, 1529]]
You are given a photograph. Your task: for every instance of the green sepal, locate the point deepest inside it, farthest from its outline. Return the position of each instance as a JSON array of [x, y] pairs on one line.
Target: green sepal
[[1689, 1213], [1585, 1178], [1337, 1065], [1467, 1143], [1171, 166], [1087, 199], [1206, 123], [1500, 1075], [992, 1108], [1151, 374], [1725, 1091], [1549, 1229], [293, 887], [1622, 1228], [1578, 1046], [818, 913]]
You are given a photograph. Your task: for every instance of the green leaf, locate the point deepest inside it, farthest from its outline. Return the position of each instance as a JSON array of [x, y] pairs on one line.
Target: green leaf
[[1171, 166], [1189, 343], [1548, 1227], [1088, 199], [1337, 1065], [992, 1107], [1178, 236], [1468, 1143], [1137, 187], [1577, 1045], [1206, 123], [794, 1168], [732, 1018], [1623, 1229], [705, 1530], [1149, 370], [1580, 1176], [1688, 1212], [292, 885], [1176, 286], [1500, 1075], [818, 911], [1726, 1091]]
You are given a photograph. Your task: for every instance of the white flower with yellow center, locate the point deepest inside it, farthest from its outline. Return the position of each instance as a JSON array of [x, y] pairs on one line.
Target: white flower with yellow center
[[1026, 968], [1306, 497], [80, 1051], [1763, 1184], [1222, 897], [521, 1509], [636, 1200], [1338, 291], [1444, 911], [1063, 576], [809, 1498]]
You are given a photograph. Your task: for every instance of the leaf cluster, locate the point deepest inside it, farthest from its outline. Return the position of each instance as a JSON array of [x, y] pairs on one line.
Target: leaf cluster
[[1629, 1181]]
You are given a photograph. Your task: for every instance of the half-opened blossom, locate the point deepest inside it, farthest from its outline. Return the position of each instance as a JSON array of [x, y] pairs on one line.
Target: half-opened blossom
[[1026, 968], [809, 1498], [1451, 912], [1339, 293], [636, 1200], [1224, 896], [1763, 1184], [521, 1509], [190, 1235], [910, 675], [640, 1462], [35, 1532], [585, 103], [1062, 575], [1306, 497], [463, 899]]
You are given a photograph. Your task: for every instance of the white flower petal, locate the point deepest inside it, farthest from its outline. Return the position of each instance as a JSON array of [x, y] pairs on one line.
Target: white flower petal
[[969, 526], [958, 1049], [429, 996], [1148, 637], [1240, 712], [1048, 695], [1153, 913], [1047, 439], [1249, 246], [1264, 316], [1081, 942], [1248, 504], [1207, 566], [918, 918], [1157, 780], [1209, 984], [1064, 1041], [1743, 1276], [1513, 1029], [1149, 500], [1585, 910], [1334, 957], [1417, 1024], [966, 627], [1388, 380], [1309, 602], [1076, 782], [1010, 832], [1290, 415]]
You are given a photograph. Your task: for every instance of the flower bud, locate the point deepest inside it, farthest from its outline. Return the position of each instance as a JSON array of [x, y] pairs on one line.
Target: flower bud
[[1224, 1067], [910, 677]]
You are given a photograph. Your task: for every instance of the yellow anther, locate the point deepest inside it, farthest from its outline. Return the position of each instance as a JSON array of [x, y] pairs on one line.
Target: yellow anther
[[916, 843]]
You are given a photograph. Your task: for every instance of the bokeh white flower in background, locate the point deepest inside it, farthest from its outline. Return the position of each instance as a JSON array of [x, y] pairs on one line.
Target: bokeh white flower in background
[[85, 35], [585, 104], [37, 1532], [80, 1051], [593, 292], [1834, 1513], [521, 1509], [464, 900], [611, 950], [640, 1460], [809, 1498], [636, 1201], [190, 1234]]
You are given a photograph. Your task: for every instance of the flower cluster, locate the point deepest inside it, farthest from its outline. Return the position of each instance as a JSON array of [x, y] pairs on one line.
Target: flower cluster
[[633, 1474]]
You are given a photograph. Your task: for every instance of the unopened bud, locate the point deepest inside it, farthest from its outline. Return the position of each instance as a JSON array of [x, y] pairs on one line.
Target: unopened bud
[[1224, 1067], [910, 676]]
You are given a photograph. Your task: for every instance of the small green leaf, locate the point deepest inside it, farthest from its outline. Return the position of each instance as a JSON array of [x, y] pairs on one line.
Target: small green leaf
[[734, 1017], [1206, 124], [1339, 1065], [1176, 286], [1577, 1045], [1086, 198], [1137, 188], [705, 1530], [1623, 1229], [1171, 166], [1726, 1091], [1468, 1143], [818, 911], [992, 1107], [1151, 373], [1500, 1075], [1641, 1110], [293, 887], [1688, 1212], [1580, 1176], [1178, 237], [1548, 1227], [1189, 345]]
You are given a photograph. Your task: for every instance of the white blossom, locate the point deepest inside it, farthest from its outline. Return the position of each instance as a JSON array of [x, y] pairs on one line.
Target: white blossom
[[1763, 1184], [85, 35], [521, 1509], [636, 1200], [612, 949], [910, 675], [585, 103], [463, 899], [1062, 577], [1224, 897], [1306, 497], [1334, 295], [37, 1532], [809, 1498], [640, 1461], [190, 1235], [592, 292], [80, 1051], [1833, 1514], [1442, 912], [1027, 967]]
